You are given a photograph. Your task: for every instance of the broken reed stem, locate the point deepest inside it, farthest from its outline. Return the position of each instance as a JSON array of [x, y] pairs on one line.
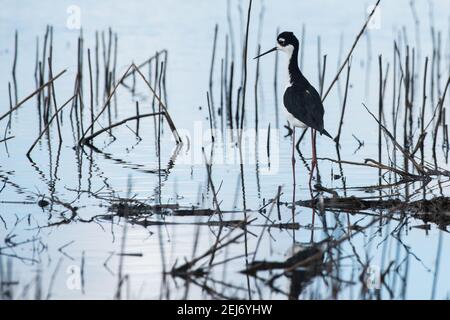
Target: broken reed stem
[[48, 124], [15, 54], [52, 86], [322, 77], [155, 78], [158, 85], [436, 108], [220, 111], [394, 95], [211, 184], [256, 88], [105, 104], [79, 82], [439, 109], [407, 107], [6, 139], [419, 168], [244, 88], [238, 103], [89, 138], [244, 61], [91, 91], [44, 50], [341, 122], [351, 50], [164, 76], [115, 58], [97, 68], [230, 97], [268, 145], [8, 126], [225, 82], [32, 94], [210, 116], [374, 164], [149, 60], [163, 106], [422, 119], [412, 96], [16, 43], [216, 247], [380, 112], [137, 115], [211, 74]]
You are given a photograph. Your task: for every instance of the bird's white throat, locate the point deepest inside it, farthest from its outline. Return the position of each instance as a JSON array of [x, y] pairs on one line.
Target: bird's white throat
[[289, 50]]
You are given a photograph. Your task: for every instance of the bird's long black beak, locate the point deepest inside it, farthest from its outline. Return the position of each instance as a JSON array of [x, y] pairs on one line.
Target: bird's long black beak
[[267, 52]]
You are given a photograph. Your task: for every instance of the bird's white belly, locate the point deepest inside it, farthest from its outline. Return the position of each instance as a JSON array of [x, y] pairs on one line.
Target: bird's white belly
[[292, 120]]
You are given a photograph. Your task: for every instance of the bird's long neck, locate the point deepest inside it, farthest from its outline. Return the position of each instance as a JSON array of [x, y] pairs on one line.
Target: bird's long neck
[[294, 74]]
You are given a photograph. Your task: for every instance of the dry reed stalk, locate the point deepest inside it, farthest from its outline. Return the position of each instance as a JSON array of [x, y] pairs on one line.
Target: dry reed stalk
[[55, 115], [32, 94], [347, 59]]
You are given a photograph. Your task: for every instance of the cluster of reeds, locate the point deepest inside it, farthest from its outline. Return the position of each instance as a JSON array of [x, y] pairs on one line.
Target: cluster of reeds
[[84, 112]]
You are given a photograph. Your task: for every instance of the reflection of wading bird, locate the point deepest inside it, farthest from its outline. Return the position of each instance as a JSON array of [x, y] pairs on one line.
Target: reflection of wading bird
[[302, 103]]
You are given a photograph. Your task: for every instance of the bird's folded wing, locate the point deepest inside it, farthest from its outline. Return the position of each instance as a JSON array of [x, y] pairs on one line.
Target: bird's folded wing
[[305, 105]]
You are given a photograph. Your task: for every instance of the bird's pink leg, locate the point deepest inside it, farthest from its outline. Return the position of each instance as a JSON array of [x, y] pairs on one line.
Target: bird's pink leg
[[314, 157], [293, 177], [315, 150], [313, 167]]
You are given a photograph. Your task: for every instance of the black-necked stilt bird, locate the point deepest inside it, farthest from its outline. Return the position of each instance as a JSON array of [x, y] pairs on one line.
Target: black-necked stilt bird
[[302, 102]]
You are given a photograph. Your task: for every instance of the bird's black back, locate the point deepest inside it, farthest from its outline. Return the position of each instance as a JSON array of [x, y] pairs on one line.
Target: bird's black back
[[303, 101]]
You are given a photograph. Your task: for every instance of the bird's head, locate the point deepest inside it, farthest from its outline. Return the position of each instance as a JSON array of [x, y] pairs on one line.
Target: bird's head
[[286, 42]]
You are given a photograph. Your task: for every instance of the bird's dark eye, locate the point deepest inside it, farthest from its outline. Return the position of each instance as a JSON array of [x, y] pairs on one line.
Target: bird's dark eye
[[281, 41]]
